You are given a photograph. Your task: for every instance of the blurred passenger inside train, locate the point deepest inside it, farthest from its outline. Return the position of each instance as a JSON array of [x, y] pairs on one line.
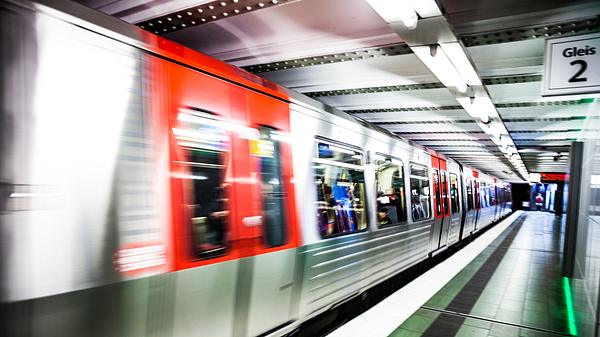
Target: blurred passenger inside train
[[539, 201]]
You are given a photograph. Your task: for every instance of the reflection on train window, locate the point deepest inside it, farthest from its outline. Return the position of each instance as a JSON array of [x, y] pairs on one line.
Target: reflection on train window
[[476, 194], [419, 193], [340, 195], [454, 193], [274, 197], [437, 202], [391, 203], [469, 194], [500, 195], [484, 194], [206, 148], [445, 192], [338, 154]]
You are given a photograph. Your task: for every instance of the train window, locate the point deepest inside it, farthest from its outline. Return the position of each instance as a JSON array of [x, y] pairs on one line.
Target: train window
[[469, 194], [273, 195], [484, 194], [500, 195], [476, 194], [445, 192], [436, 189], [206, 152], [391, 203], [455, 208], [419, 191], [340, 185], [338, 154]]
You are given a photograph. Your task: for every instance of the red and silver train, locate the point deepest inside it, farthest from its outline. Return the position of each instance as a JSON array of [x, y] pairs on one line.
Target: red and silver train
[[147, 189]]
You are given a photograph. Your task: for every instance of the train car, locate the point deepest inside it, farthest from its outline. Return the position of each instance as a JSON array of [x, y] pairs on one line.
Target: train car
[[147, 189]]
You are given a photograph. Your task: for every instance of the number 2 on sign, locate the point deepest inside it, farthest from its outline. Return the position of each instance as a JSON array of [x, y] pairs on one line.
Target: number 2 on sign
[[582, 68]]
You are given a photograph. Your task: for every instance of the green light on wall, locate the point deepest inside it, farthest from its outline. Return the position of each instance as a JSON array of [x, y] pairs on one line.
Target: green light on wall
[[570, 310]]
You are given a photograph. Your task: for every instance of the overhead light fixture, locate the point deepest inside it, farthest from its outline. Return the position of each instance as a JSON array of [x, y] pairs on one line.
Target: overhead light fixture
[[475, 108], [462, 63], [396, 11], [426, 8], [438, 62]]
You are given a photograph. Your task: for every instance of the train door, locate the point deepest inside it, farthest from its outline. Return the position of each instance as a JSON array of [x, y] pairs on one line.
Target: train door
[[205, 130], [271, 206], [437, 206], [477, 197], [232, 209], [476, 200], [464, 188], [440, 202], [456, 211], [495, 201], [445, 204]]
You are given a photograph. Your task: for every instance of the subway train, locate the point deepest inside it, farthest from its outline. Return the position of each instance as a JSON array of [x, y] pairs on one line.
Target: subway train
[[149, 190]]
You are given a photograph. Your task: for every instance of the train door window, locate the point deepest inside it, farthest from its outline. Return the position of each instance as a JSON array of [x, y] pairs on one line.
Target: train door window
[[391, 203], [484, 194], [437, 196], [420, 200], [476, 194], [469, 194], [445, 193], [340, 184], [455, 208], [205, 154], [274, 198]]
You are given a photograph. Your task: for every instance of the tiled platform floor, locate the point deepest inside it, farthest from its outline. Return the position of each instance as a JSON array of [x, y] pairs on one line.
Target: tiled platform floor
[[512, 289]]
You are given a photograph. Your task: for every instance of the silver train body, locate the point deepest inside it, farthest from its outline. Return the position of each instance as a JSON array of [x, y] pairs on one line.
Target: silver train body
[[73, 146]]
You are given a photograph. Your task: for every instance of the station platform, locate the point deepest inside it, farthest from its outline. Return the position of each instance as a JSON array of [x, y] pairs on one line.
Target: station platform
[[506, 283]]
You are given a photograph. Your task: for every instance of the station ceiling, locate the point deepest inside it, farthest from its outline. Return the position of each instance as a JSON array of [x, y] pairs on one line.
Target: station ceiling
[[343, 53]]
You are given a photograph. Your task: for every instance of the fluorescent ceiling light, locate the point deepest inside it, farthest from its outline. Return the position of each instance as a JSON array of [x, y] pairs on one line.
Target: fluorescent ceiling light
[[438, 62], [479, 107], [470, 107], [462, 63], [498, 130], [396, 11], [426, 8]]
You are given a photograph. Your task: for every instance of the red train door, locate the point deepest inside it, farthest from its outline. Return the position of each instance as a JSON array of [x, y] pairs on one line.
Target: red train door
[[232, 191], [269, 203], [444, 181], [206, 179], [441, 204]]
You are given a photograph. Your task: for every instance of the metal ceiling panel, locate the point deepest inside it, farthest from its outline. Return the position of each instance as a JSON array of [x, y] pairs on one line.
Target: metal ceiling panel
[[295, 30], [554, 135], [551, 111], [506, 59], [406, 99], [426, 127], [414, 116], [445, 136], [545, 126], [361, 73]]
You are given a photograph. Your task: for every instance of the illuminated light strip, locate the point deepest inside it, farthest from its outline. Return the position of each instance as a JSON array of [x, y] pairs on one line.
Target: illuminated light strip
[[570, 310]]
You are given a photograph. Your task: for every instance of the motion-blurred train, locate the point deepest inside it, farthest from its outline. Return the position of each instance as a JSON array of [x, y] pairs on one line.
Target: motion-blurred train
[[150, 190]]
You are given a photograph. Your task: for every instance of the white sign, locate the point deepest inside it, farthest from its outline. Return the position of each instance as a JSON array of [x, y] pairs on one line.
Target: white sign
[[572, 65]]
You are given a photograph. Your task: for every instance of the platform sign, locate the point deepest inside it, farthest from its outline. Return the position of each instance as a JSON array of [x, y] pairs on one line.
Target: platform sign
[[572, 65]]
